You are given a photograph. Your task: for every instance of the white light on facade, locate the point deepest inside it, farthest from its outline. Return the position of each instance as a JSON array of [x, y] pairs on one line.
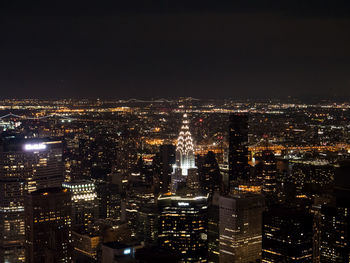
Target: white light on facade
[[127, 251], [35, 146]]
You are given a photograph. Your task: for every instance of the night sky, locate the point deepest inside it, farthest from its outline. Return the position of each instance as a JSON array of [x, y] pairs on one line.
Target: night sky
[[204, 49]]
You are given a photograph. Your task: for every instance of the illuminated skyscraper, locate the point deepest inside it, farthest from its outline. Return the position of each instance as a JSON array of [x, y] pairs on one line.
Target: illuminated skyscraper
[[183, 226], [84, 203], [48, 226], [26, 165], [268, 174], [238, 147], [240, 227], [185, 159], [12, 232], [37, 161]]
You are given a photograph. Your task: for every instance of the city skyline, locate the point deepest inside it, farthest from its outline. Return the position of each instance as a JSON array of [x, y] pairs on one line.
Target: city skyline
[[188, 131], [181, 180]]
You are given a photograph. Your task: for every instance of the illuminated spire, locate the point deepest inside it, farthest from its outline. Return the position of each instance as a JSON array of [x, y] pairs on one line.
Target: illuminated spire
[[184, 147]]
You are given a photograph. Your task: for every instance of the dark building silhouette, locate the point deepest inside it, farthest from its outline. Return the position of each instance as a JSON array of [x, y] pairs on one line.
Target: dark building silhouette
[[287, 235], [48, 226], [147, 227], [335, 220], [164, 161], [213, 228], [109, 199], [209, 174], [238, 147], [116, 252], [156, 254]]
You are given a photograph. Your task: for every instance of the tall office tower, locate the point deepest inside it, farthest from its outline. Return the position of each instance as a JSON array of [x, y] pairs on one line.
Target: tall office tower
[[335, 220], [192, 179], [184, 149], [287, 235], [335, 234], [12, 227], [269, 173], [109, 199], [182, 226], [84, 203], [148, 223], [224, 173], [213, 228], [164, 162], [238, 147], [29, 164], [48, 226], [137, 198], [85, 246], [240, 220], [145, 170], [37, 161], [315, 210]]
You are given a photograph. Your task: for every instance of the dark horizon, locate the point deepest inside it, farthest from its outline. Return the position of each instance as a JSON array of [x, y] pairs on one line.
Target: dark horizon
[[202, 49]]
